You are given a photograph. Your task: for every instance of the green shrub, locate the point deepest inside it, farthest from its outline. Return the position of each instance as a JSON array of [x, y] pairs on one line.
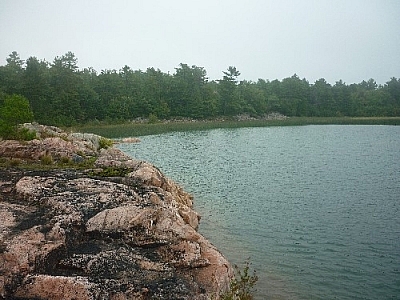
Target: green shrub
[[24, 134], [242, 285], [15, 110], [105, 143], [153, 119]]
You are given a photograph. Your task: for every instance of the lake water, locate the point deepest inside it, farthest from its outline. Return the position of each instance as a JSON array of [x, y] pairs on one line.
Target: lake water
[[316, 208]]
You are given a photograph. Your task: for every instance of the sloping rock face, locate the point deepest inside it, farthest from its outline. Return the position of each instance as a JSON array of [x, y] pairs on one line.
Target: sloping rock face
[[75, 234]]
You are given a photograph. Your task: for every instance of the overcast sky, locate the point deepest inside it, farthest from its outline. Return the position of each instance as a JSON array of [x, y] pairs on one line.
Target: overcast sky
[[350, 40]]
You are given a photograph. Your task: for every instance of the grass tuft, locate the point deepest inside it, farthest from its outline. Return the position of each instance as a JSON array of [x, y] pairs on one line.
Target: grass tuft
[[110, 172], [46, 160]]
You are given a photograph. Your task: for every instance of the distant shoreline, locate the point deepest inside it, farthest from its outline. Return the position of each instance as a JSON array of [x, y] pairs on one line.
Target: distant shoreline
[[136, 129]]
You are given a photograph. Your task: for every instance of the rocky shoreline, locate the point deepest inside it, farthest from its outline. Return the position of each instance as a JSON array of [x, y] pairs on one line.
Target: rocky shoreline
[[118, 229]]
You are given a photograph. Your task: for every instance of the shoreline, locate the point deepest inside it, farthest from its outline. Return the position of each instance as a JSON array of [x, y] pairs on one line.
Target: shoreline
[[138, 129], [81, 220]]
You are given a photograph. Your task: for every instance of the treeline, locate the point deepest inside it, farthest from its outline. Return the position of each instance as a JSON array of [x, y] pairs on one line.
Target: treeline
[[62, 94]]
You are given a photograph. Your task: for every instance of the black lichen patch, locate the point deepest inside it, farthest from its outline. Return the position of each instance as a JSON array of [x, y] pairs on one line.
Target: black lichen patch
[[49, 263], [3, 246], [170, 288], [36, 218], [12, 286], [86, 247]]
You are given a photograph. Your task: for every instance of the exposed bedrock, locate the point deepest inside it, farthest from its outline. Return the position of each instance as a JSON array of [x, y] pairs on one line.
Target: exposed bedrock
[[71, 234]]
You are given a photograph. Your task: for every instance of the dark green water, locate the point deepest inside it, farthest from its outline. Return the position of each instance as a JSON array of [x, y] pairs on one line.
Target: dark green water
[[316, 208]]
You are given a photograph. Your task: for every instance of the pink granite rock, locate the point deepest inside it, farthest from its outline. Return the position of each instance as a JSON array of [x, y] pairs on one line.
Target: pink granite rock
[[72, 234]]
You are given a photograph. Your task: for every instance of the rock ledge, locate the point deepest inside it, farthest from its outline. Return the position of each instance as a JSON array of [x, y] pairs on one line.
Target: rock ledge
[[71, 234]]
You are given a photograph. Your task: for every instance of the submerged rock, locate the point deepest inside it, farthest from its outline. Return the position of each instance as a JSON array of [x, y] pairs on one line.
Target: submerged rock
[[75, 234]]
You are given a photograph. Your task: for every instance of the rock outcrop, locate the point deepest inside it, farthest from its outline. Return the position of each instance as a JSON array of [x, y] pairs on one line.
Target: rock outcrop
[[51, 142], [82, 234]]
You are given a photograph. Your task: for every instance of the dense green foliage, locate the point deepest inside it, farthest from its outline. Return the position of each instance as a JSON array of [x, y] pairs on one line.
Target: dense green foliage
[[15, 110], [60, 93]]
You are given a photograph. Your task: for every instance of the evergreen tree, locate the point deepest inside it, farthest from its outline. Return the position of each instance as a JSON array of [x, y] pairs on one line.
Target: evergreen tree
[[230, 100], [11, 74], [294, 95], [322, 102], [65, 84], [36, 88]]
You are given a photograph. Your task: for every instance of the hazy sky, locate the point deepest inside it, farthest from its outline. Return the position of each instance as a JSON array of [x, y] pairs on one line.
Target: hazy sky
[[350, 40]]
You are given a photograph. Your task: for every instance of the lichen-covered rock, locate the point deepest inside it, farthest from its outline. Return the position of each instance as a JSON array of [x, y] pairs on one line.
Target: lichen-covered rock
[[51, 142], [143, 173], [54, 147], [54, 287], [70, 234]]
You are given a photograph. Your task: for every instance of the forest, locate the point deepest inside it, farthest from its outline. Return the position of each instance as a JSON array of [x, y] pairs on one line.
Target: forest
[[60, 93]]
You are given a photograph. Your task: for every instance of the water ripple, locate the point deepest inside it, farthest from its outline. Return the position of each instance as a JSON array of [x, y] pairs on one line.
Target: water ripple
[[315, 207]]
